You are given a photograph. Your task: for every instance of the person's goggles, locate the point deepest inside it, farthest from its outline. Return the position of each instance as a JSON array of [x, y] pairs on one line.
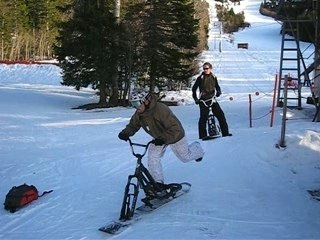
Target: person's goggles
[[136, 104]]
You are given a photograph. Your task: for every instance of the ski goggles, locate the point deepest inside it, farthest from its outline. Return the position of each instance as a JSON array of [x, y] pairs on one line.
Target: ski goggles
[[137, 103]]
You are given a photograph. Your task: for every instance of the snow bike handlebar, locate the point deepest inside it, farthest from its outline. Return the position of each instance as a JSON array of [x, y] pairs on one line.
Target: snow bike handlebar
[[139, 155], [212, 100]]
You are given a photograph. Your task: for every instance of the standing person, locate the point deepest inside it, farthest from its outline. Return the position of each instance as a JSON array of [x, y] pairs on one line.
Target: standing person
[[158, 120], [208, 86]]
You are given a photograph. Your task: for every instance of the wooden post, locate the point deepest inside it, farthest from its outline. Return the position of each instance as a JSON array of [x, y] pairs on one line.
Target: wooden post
[[274, 99]]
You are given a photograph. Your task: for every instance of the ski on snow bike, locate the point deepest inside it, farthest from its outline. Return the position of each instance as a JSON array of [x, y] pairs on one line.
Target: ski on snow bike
[[213, 128], [142, 179]]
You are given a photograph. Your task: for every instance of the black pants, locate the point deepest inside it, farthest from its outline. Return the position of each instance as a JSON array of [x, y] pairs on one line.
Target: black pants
[[218, 113]]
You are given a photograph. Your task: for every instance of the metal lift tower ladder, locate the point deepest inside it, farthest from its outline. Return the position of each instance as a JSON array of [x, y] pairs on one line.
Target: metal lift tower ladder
[[290, 60]]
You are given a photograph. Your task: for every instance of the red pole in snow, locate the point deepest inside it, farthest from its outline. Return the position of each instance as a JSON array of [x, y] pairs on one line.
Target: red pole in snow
[[250, 110]]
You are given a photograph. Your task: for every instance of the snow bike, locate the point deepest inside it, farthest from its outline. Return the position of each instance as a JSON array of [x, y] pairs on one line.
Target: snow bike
[[142, 179], [213, 128], [156, 195]]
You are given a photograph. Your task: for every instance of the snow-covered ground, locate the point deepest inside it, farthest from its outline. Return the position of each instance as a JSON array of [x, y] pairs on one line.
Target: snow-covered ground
[[245, 187]]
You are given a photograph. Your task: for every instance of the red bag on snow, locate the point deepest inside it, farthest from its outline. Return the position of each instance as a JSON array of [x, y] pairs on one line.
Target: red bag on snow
[[20, 196]]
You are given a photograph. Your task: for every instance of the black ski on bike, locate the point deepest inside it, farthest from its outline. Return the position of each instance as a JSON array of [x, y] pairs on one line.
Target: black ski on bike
[[117, 226]]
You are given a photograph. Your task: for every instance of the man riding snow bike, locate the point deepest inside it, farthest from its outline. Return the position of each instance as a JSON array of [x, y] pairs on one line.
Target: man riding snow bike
[[156, 195], [207, 85], [142, 179]]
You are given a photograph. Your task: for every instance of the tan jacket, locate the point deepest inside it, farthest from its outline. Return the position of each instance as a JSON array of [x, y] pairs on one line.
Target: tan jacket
[[158, 121]]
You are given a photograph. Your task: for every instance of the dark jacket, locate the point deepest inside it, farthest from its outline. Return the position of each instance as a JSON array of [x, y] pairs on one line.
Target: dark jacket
[[158, 121], [208, 87]]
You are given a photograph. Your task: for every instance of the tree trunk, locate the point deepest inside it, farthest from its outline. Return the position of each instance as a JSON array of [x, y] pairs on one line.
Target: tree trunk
[[102, 95], [114, 77]]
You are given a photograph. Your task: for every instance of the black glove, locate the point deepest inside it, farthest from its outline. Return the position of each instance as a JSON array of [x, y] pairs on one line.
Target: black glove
[[196, 101], [123, 136], [218, 94], [158, 142]]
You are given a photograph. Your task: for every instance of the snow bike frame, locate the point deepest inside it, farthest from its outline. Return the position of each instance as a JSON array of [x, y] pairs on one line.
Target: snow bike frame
[[141, 179], [213, 129]]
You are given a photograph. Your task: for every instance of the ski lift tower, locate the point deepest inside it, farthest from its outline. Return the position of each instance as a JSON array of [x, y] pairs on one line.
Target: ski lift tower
[[291, 58], [316, 90]]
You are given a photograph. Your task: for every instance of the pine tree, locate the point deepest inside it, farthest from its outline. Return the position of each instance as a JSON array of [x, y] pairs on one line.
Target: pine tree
[[165, 40], [86, 49]]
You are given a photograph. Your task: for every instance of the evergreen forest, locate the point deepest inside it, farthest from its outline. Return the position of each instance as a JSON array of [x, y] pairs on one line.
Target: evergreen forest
[[108, 45]]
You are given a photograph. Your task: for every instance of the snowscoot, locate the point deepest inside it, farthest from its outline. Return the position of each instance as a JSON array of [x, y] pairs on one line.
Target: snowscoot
[[142, 179], [156, 196], [214, 130]]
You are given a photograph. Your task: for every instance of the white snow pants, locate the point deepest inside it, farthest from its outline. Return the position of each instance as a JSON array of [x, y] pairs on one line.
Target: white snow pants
[[181, 149]]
